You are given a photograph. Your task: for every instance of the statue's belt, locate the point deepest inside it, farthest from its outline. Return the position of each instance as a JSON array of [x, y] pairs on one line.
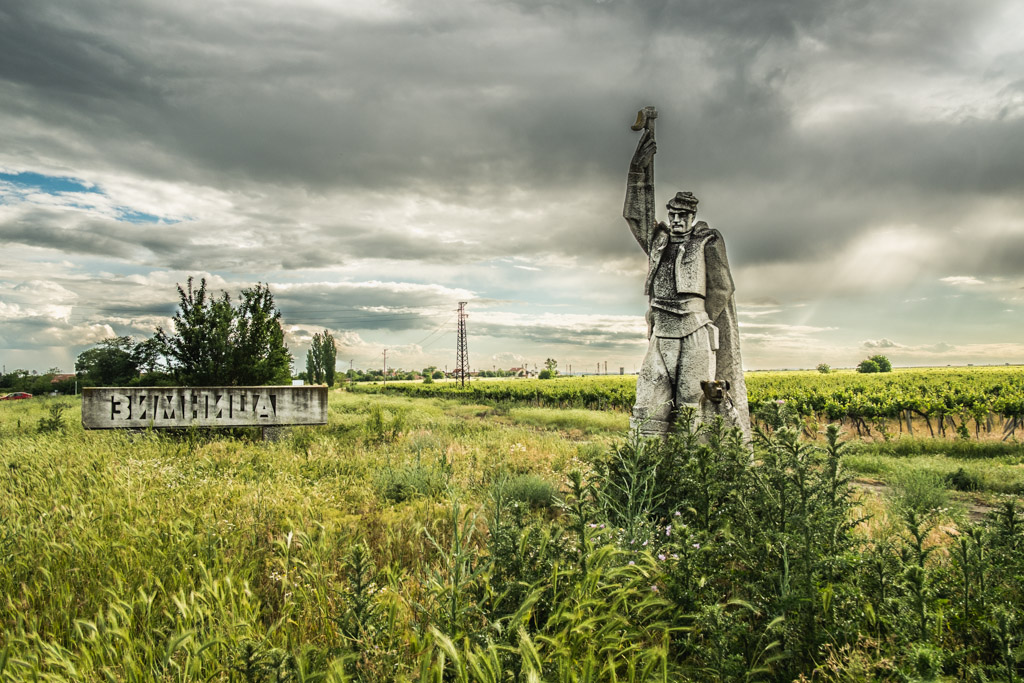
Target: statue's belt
[[677, 322]]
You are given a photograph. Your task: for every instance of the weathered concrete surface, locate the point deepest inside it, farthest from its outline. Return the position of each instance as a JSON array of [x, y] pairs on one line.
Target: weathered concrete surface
[[175, 407]]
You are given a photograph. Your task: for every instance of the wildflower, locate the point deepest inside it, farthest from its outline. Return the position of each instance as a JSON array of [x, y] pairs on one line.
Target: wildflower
[[696, 545], [678, 513], [654, 588], [668, 530], [593, 526], [631, 563], [674, 556], [601, 527], [644, 544], [661, 556]]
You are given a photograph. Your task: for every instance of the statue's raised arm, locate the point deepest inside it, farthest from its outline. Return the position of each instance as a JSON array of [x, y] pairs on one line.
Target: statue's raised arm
[[639, 207]]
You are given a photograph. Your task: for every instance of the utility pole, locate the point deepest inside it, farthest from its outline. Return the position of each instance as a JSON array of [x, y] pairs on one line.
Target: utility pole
[[385, 367], [462, 348]]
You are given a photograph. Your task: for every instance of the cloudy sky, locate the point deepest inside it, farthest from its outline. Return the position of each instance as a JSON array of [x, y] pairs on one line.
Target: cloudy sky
[[378, 161]]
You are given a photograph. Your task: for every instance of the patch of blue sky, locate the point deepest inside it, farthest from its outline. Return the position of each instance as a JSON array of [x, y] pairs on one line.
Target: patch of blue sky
[[48, 183], [132, 216]]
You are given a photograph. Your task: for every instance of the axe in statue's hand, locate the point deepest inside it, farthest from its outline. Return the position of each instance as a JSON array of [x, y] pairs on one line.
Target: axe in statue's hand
[[645, 119], [647, 147]]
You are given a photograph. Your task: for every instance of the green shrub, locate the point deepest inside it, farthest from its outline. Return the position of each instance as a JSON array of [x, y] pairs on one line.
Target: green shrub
[[379, 428], [530, 489], [416, 480], [778, 414], [883, 363], [55, 422], [963, 481], [920, 490], [868, 366], [926, 661]]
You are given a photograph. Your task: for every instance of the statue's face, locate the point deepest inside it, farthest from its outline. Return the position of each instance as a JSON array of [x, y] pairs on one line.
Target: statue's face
[[680, 220]]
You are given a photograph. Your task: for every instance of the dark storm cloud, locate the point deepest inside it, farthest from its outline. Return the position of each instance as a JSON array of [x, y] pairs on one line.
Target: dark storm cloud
[[35, 230], [391, 306], [294, 97], [560, 336]]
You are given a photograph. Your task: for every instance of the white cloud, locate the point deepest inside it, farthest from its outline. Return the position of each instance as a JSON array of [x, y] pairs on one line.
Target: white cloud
[[962, 280], [882, 343]]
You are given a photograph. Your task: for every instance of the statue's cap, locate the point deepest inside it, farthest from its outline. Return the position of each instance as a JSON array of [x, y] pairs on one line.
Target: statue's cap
[[683, 201]]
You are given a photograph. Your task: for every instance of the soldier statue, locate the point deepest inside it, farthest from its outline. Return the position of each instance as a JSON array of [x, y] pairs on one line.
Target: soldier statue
[[693, 356]]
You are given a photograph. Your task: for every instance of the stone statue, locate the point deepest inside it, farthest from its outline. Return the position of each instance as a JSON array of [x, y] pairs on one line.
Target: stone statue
[[693, 358]]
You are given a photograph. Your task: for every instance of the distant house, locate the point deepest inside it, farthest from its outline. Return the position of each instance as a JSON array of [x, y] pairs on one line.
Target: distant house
[[61, 377]]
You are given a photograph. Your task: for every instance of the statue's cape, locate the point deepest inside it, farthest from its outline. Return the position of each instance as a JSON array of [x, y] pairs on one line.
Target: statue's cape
[[721, 307]]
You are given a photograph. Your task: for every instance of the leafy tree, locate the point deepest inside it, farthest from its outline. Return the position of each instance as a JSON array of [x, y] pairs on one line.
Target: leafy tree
[[545, 374], [112, 363], [883, 363], [148, 356], [321, 358], [310, 375], [868, 366], [552, 366], [260, 354], [215, 343], [199, 350], [824, 368], [330, 349]]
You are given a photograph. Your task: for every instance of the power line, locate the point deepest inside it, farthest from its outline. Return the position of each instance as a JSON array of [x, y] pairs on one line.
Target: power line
[[439, 327]]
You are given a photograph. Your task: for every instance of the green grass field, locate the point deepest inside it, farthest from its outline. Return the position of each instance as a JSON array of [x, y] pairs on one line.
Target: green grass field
[[440, 539]]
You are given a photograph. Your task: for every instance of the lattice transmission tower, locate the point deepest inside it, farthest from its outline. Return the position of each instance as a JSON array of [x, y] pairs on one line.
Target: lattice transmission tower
[[461, 347]]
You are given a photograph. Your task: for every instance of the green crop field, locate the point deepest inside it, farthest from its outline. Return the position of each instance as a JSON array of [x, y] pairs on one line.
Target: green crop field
[[971, 402], [517, 537]]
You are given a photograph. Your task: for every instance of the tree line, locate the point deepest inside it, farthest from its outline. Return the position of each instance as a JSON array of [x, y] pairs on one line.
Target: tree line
[[214, 340]]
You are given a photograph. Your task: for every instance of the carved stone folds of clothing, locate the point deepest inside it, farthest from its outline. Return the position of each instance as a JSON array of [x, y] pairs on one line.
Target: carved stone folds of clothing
[[692, 322]]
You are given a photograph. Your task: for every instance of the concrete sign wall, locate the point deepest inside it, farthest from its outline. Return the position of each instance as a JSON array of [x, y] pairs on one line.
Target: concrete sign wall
[[168, 407]]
